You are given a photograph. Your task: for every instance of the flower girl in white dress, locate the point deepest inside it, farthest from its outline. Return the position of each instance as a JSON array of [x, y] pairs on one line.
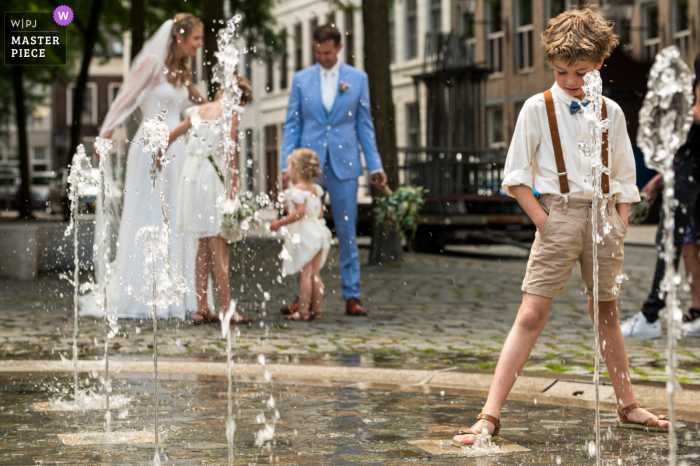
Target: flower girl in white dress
[[308, 239], [201, 189]]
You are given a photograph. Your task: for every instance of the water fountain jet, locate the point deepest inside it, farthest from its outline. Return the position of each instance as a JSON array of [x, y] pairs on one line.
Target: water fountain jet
[[664, 121]]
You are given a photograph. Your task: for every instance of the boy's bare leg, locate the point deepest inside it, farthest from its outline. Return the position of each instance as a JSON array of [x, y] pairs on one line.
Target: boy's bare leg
[[529, 323], [613, 350]]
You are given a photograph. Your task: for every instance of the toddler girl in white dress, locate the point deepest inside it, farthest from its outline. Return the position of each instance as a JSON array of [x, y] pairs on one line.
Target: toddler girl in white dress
[[308, 239], [201, 189]]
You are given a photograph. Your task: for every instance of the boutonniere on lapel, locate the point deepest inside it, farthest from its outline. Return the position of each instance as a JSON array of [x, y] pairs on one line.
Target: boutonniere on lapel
[[344, 86]]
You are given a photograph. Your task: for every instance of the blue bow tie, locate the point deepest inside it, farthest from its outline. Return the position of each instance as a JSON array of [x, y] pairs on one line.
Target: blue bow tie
[[575, 107]]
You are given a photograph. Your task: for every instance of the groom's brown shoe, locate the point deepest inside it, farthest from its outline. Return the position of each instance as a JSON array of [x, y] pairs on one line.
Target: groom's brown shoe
[[353, 307], [291, 309]]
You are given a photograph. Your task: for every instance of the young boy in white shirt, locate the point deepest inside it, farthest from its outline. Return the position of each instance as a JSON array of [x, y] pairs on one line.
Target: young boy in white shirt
[[544, 152]]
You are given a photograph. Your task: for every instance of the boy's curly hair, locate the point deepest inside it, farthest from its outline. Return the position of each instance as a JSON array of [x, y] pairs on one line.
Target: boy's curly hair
[[577, 35], [306, 161]]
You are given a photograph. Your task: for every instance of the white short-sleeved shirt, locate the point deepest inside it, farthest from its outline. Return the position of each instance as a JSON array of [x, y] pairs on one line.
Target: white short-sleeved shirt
[[531, 159]]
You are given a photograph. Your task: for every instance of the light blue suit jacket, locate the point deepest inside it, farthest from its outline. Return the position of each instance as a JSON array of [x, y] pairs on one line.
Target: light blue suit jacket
[[336, 135]]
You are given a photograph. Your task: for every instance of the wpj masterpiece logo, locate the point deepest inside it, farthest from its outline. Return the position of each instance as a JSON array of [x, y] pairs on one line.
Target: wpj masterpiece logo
[[36, 37]]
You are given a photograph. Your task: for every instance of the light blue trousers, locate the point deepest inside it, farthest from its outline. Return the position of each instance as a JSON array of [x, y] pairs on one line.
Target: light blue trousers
[[343, 195]]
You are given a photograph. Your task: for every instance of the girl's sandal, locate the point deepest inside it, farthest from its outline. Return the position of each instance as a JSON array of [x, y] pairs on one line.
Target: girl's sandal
[[236, 318], [316, 316], [649, 424], [297, 316], [480, 417], [207, 317]]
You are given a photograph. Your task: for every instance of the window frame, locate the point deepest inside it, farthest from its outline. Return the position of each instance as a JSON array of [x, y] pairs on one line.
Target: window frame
[[92, 86], [524, 38], [349, 23], [494, 39], [681, 37], [298, 47], [411, 18], [493, 144], [650, 45], [284, 64]]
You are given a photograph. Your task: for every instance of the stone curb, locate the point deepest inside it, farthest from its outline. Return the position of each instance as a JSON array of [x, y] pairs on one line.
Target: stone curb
[[550, 391]]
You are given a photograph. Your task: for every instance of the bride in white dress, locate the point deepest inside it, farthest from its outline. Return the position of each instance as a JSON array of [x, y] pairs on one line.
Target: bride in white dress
[[160, 78]]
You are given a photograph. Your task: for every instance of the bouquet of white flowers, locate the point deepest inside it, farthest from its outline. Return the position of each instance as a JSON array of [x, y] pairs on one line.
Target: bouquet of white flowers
[[239, 217]]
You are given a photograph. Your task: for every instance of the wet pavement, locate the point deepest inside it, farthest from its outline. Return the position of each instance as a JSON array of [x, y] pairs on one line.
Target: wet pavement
[[432, 311], [318, 424]]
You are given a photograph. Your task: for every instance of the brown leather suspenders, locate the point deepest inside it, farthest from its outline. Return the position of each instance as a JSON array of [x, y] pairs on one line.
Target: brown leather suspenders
[[556, 145]]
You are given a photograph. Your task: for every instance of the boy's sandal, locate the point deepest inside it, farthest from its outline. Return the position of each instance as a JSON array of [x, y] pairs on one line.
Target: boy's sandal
[[297, 316], [480, 417], [207, 317], [649, 424]]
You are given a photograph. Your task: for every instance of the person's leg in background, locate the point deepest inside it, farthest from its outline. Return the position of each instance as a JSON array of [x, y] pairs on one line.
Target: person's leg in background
[[645, 324]]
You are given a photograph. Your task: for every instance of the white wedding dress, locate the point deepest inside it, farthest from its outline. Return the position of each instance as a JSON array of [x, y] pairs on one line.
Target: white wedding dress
[[129, 278]]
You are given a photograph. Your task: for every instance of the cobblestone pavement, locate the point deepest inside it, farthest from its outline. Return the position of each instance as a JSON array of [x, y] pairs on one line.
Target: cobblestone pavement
[[318, 424], [431, 311]]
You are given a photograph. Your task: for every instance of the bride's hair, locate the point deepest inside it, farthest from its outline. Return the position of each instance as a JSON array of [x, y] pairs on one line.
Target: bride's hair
[[180, 72], [306, 161]]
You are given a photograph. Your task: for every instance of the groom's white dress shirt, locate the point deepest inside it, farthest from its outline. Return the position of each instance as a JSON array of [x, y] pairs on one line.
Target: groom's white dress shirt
[[329, 84]]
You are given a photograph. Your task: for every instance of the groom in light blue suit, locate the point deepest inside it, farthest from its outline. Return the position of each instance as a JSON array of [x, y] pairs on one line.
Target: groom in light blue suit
[[329, 113]]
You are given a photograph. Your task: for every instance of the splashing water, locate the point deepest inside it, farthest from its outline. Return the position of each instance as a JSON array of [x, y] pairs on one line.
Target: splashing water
[[593, 149], [103, 147], [483, 442], [167, 286], [225, 74], [80, 172], [664, 122], [155, 143]]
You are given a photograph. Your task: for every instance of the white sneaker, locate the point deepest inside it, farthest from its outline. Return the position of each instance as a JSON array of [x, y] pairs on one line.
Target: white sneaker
[[692, 327], [638, 327]]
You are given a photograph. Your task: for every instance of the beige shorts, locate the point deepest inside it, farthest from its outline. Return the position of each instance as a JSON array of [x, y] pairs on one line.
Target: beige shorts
[[566, 237]]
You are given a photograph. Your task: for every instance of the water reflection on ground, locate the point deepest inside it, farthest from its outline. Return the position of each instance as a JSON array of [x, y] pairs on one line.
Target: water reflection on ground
[[320, 424]]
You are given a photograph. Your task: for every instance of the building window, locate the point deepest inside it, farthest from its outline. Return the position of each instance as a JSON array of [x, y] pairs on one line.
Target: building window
[[466, 29], [112, 91], [330, 18], [557, 7], [40, 155], [435, 16], [494, 36], [411, 29], [350, 37], [495, 127], [269, 74], [249, 161], [412, 125], [313, 25], [681, 29], [284, 66], [524, 35], [89, 111], [271, 159], [392, 34], [248, 66], [651, 31], [298, 48]]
